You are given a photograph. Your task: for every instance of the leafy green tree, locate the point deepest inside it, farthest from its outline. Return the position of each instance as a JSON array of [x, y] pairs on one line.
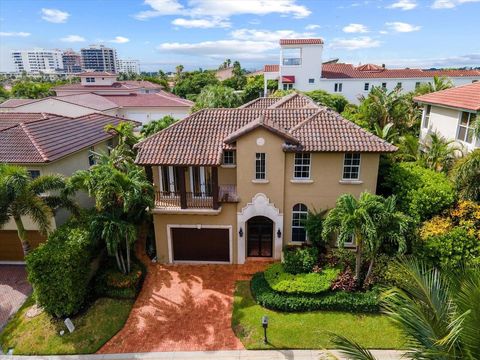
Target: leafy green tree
[[39, 198], [333, 101], [408, 148], [466, 176], [438, 153], [4, 94], [155, 126], [238, 79], [314, 227], [438, 84], [387, 133], [217, 96], [255, 87], [371, 221], [437, 311], [190, 84], [32, 90], [126, 133]]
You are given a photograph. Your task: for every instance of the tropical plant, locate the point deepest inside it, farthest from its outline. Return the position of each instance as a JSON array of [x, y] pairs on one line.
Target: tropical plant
[[439, 83], [387, 133], [438, 153], [126, 133], [38, 198], [466, 176], [371, 221], [155, 126], [333, 101], [238, 79], [255, 87], [190, 84], [408, 148], [314, 226], [438, 312], [32, 89], [217, 96]]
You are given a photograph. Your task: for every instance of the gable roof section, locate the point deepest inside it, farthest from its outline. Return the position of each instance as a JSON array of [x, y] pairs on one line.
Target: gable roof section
[[89, 100], [291, 101], [119, 85], [13, 103], [271, 68], [160, 99], [461, 97], [259, 103], [42, 138]]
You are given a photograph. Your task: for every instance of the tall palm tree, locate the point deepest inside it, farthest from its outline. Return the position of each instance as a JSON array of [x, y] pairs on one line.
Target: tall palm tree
[[466, 176], [438, 153], [439, 83], [383, 107], [39, 198], [370, 221], [409, 148], [438, 312]]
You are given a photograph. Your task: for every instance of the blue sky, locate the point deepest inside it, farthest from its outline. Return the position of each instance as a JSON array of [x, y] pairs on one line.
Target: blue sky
[[202, 33]]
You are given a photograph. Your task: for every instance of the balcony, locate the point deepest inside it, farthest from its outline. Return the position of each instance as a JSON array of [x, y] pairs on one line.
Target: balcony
[[168, 200]]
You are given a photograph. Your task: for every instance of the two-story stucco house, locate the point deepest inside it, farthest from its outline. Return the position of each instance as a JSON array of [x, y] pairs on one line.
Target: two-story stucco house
[[233, 184], [49, 144], [452, 113]]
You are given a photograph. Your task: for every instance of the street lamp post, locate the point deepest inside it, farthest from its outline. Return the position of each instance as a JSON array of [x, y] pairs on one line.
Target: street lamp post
[[265, 326]]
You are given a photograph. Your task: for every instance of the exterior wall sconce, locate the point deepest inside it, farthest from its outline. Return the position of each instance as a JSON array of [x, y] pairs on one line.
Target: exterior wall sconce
[[240, 232], [279, 233]]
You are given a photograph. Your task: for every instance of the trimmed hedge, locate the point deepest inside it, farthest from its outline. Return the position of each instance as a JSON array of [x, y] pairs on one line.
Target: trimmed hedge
[[311, 283], [59, 270], [298, 260], [366, 302]]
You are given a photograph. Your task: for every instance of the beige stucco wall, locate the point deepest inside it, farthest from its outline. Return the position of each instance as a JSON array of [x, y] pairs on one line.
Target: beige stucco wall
[[53, 106]]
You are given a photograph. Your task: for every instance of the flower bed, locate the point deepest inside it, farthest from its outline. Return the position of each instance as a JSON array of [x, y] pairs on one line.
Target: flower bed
[[309, 283]]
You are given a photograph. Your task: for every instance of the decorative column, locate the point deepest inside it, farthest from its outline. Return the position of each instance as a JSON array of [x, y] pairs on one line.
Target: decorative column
[[182, 186], [215, 187]]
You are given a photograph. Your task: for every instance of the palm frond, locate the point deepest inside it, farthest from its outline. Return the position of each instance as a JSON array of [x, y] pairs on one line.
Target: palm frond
[[352, 349]]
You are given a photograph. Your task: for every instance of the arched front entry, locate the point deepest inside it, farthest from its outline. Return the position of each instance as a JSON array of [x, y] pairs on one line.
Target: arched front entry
[[259, 237]]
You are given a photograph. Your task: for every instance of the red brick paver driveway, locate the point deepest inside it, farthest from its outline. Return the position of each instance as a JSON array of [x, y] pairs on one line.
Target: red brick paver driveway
[[183, 307], [14, 289]]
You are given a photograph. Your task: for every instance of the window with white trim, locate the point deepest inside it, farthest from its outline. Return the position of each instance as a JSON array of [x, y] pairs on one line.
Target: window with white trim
[[348, 243], [351, 166], [201, 181], [366, 87], [91, 156], [466, 127], [292, 56], [399, 85], [426, 116], [301, 168], [311, 81], [299, 216], [384, 85], [229, 157], [90, 79], [417, 84], [337, 87], [260, 171], [287, 86], [168, 180]]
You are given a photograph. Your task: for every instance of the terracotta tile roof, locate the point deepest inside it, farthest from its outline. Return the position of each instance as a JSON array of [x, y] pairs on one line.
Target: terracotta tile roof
[[12, 103], [41, 138], [271, 68], [260, 103], [371, 71], [97, 73], [119, 85], [301, 41], [463, 97], [89, 100], [158, 99], [200, 138], [292, 101]]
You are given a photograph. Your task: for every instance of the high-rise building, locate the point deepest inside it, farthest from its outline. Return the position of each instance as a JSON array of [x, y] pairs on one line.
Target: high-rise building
[[72, 61], [99, 58], [35, 61], [128, 66]]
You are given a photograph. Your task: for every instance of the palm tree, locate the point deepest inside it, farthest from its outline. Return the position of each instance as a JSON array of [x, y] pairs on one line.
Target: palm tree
[[370, 221], [438, 153], [383, 107], [437, 312], [408, 148], [466, 176], [439, 83], [387, 133], [38, 198]]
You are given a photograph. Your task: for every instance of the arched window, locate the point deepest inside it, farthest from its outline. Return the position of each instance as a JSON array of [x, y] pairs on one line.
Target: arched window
[[299, 215]]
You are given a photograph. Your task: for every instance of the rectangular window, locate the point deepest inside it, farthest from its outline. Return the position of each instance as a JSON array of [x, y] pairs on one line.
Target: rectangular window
[[292, 56], [348, 243], [384, 85], [311, 81], [91, 156], [366, 87], [417, 84], [229, 157], [201, 181], [338, 87], [33, 174], [299, 216], [90, 79], [466, 127], [287, 86], [399, 85], [351, 166], [168, 180], [301, 168], [260, 166], [426, 116]]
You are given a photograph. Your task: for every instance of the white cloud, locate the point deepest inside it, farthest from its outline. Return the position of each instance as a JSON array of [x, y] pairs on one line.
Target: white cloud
[[403, 5], [441, 62], [402, 27], [449, 4], [55, 15], [355, 28], [73, 38], [201, 23], [362, 42], [223, 9], [267, 35], [383, 32], [14, 34], [312, 27], [119, 40]]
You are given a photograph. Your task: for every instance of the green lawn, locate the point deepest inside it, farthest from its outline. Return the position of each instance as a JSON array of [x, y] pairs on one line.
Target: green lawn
[[39, 335], [310, 330]]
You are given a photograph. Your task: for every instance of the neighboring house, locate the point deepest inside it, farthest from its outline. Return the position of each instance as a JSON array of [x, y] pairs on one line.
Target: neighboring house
[[49, 144], [453, 114], [135, 106], [224, 74], [237, 183], [301, 68]]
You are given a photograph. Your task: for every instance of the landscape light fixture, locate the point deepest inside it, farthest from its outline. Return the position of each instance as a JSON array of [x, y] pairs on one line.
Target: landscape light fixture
[[279, 233], [240, 232], [265, 326]]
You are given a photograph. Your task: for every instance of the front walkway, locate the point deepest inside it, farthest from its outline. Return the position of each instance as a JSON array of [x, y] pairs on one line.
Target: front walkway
[[183, 308], [14, 289]]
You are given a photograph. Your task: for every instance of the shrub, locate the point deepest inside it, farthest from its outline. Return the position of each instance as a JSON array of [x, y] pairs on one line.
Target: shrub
[[367, 302], [297, 260], [334, 101], [346, 281], [314, 227], [341, 257], [111, 283], [59, 270], [421, 193], [311, 283]]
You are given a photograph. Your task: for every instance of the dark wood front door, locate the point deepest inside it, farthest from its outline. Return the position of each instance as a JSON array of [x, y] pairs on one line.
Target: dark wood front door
[[259, 236]]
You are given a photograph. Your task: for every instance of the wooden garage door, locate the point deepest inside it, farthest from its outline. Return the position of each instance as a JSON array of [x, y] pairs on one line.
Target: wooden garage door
[[10, 246], [192, 244]]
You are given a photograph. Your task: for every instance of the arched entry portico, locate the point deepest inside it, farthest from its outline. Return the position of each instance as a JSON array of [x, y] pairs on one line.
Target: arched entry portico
[[259, 208]]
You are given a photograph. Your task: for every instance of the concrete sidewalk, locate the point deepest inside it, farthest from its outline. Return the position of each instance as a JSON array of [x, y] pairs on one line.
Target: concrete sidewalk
[[216, 355]]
